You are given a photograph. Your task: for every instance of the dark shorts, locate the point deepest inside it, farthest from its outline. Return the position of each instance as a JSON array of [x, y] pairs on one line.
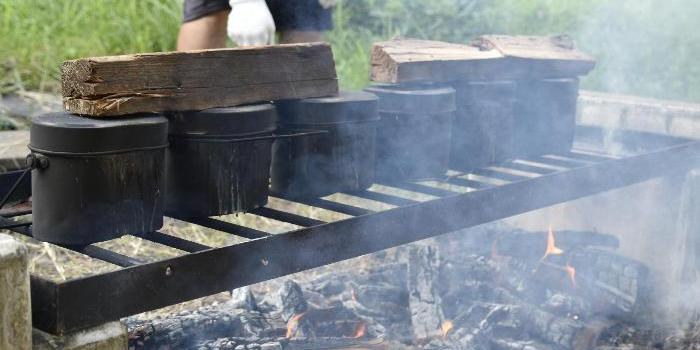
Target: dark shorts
[[288, 14]]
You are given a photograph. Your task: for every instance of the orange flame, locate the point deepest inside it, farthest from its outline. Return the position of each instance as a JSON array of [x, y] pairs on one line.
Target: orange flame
[[572, 274], [446, 327], [293, 324], [551, 246], [360, 330]]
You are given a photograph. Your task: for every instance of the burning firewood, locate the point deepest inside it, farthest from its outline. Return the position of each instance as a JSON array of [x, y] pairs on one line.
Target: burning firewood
[[425, 303]]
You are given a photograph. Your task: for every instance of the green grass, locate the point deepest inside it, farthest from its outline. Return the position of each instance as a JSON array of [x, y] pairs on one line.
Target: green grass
[[643, 47], [37, 35]]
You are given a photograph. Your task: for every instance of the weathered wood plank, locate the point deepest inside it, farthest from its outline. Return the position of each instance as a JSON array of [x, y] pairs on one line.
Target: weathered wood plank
[[193, 80], [549, 57], [409, 60], [488, 57]]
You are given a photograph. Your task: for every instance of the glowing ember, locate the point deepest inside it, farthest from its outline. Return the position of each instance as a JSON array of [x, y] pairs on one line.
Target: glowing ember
[[360, 330], [572, 274], [293, 323], [551, 246], [446, 327]]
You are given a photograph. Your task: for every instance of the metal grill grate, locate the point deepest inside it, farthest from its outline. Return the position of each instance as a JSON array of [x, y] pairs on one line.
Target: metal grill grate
[[482, 196]]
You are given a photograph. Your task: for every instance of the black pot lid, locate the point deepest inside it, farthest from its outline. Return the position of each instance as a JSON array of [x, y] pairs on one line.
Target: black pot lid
[[414, 99], [348, 106], [69, 133], [228, 121]]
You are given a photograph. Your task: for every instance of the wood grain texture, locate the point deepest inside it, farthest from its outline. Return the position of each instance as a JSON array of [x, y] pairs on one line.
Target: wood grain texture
[[195, 80], [409, 60], [488, 57]]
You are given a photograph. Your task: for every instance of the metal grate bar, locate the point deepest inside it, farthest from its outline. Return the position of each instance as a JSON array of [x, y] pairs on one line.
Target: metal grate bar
[[384, 198], [109, 256], [287, 217], [499, 175], [76, 304], [529, 168], [13, 225], [585, 157], [460, 181], [414, 187], [219, 225], [173, 242], [332, 206], [570, 164]]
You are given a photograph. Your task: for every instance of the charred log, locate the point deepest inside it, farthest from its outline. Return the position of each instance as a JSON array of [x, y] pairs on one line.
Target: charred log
[[424, 301]]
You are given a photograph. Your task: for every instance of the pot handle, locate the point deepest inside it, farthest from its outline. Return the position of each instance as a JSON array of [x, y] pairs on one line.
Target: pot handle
[[299, 133], [292, 134]]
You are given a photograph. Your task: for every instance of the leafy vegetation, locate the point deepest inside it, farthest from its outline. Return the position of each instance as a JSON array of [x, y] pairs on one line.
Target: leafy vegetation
[[643, 46]]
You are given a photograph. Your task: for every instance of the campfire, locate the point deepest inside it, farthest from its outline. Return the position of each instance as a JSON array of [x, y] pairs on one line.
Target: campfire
[[508, 289]]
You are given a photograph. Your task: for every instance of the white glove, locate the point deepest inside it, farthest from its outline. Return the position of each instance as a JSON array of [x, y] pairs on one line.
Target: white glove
[[250, 23], [326, 4]]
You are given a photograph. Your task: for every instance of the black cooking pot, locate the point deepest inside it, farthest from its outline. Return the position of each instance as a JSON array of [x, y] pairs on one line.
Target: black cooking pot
[[414, 131], [342, 159], [219, 160], [482, 132], [545, 120], [98, 178]]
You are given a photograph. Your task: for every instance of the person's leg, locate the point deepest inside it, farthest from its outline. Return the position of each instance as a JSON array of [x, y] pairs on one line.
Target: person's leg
[[300, 36], [203, 25], [208, 32]]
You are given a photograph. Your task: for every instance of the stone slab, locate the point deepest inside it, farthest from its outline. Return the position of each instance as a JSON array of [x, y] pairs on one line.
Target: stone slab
[[13, 149], [110, 336], [15, 305], [674, 118]]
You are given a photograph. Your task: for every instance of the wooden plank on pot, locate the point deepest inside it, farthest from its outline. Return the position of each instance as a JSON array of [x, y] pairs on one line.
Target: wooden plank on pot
[[490, 57], [411, 60], [545, 56], [196, 80]]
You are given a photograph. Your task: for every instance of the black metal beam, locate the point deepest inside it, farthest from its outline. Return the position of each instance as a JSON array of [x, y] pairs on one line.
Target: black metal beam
[[93, 300]]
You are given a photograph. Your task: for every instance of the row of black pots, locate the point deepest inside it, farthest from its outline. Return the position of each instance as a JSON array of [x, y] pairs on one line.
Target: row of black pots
[[106, 178]]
